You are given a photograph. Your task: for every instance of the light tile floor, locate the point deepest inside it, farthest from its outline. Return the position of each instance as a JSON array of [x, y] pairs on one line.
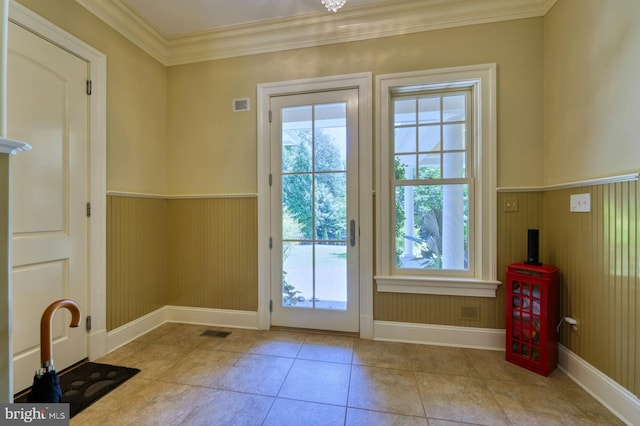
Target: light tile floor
[[303, 378]]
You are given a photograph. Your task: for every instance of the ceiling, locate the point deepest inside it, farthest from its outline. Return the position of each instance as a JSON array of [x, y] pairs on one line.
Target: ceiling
[[184, 31], [171, 18]]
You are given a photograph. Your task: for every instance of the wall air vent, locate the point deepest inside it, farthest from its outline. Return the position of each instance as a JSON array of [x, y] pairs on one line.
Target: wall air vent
[[470, 313], [241, 104]]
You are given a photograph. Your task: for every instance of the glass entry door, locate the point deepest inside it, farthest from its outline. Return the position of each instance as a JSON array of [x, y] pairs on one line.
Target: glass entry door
[[314, 210]]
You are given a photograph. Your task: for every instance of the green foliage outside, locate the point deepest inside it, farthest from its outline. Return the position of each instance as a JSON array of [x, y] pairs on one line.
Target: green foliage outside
[[427, 200], [297, 192], [330, 190]]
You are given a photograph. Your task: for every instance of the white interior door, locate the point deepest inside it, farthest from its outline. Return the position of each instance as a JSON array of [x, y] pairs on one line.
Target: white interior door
[[47, 106], [314, 210]]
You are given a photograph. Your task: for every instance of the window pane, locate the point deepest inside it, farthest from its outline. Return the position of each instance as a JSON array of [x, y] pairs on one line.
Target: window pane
[[429, 110], [454, 136], [432, 227], [405, 139], [429, 138], [330, 276], [404, 111], [429, 166], [331, 206], [296, 197], [405, 167], [330, 144], [296, 139], [453, 108], [297, 274], [453, 165]]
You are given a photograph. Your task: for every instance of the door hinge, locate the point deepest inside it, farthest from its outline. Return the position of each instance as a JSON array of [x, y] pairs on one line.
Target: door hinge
[[89, 87], [270, 116], [88, 322], [270, 179], [270, 242], [88, 209], [270, 305]]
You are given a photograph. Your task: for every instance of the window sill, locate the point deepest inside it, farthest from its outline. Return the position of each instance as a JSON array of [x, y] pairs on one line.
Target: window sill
[[441, 286]]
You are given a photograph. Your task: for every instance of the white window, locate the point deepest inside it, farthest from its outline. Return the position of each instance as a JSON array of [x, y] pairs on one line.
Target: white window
[[436, 188]]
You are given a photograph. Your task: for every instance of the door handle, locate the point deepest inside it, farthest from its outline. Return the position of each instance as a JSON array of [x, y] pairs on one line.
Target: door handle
[[352, 232]]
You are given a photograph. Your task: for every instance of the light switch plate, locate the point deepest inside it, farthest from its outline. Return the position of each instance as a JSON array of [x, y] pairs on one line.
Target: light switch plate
[[511, 204], [580, 203]]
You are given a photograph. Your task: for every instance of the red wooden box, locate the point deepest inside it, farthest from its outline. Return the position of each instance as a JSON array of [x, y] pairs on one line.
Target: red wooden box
[[532, 317]]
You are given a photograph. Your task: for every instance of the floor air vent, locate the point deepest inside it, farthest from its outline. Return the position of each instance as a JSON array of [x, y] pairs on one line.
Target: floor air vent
[[216, 333]]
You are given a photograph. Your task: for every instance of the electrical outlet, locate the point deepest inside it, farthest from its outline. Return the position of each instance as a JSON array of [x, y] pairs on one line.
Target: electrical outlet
[[576, 327], [511, 204], [574, 323]]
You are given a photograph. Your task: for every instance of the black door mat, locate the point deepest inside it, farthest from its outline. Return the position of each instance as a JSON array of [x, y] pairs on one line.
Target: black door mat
[[87, 383]]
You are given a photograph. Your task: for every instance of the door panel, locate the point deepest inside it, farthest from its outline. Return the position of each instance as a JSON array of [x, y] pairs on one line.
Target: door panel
[[47, 106], [314, 145]]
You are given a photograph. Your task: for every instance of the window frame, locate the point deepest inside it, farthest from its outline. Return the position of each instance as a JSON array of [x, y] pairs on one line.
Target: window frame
[[481, 281], [443, 181]]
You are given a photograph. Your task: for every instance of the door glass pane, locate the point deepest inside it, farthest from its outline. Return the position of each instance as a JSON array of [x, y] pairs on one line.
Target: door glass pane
[[296, 207], [297, 273], [314, 206], [330, 137], [331, 276], [331, 206], [296, 139]]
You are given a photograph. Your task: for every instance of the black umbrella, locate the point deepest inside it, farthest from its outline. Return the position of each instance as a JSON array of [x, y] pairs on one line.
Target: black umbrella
[[46, 384]]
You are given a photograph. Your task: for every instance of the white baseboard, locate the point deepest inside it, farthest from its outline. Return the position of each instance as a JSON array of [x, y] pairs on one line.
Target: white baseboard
[[366, 327], [97, 344], [616, 398], [134, 329], [212, 317], [204, 316], [441, 335]]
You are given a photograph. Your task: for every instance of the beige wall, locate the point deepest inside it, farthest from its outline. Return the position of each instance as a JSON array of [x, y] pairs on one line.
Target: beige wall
[[136, 99], [592, 90], [597, 254], [586, 50], [213, 253], [592, 99], [137, 256], [213, 150]]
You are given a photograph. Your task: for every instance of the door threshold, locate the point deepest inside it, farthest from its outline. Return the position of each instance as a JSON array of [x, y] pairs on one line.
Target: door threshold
[[315, 331]]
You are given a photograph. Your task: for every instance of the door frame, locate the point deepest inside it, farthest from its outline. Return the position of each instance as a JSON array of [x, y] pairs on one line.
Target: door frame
[[364, 83], [97, 175]]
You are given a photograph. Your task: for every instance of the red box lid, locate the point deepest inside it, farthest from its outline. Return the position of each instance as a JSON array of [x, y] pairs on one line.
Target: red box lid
[[545, 271]]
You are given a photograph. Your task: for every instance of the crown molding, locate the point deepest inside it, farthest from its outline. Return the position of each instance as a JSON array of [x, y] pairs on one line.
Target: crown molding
[[389, 18], [127, 22]]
